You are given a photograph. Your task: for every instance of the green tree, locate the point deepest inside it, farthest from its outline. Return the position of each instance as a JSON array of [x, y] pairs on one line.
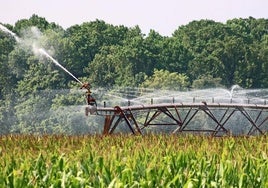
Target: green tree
[[198, 41], [58, 46], [163, 79], [152, 47], [124, 65], [263, 58], [231, 54], [6, 46], [86, 40], [206, 81], [205, 64], [41, 23], [140, 52], [197, 34], [174, 57], [40, 76], [111, 67]]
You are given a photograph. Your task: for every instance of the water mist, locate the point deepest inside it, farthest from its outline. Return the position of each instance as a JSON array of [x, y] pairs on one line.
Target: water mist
[[43, 52], [6, 30], [39, 50]]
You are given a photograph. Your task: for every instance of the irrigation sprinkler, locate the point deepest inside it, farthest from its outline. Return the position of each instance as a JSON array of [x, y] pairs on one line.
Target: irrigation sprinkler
[[221, 118], [90, 100], [92, 104]]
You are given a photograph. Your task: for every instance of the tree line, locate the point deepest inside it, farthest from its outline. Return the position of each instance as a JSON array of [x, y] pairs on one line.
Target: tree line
[[201, 54]]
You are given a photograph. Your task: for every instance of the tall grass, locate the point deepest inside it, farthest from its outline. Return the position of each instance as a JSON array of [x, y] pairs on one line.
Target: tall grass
[[133, 161]]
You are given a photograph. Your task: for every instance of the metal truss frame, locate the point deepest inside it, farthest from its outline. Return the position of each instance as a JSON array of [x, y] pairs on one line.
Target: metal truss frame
[[179, 116]]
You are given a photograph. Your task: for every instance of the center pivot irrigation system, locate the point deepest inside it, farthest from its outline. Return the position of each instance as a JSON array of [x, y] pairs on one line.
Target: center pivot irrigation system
[[216, 119], [210, 118]]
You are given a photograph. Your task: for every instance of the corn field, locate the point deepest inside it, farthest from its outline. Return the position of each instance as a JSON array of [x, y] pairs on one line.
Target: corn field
[[133, 161]]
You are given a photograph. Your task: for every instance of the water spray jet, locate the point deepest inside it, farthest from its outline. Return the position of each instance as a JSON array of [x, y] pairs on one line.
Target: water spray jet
[[43, 52], [6, 30], [90, 100]]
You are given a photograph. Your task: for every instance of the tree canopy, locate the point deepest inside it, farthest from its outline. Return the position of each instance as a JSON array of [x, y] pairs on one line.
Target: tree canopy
[[201, 54]]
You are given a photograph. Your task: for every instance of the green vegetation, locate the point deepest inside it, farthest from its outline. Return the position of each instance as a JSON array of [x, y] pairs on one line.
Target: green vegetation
[[133, 161], [201, 54], [165, 80], [234, 52]]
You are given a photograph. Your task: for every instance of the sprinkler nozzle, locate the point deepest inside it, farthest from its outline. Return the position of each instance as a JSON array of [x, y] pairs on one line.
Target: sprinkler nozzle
[[85, 85]]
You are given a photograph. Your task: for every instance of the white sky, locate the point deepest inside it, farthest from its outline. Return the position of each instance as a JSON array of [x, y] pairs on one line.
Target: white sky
[[164, 16]]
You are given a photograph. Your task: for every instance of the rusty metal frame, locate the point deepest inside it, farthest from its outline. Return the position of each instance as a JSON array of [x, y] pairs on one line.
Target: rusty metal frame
[[173, 112]]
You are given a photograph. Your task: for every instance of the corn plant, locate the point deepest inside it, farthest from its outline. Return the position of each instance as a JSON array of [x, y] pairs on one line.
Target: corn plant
[[133, 161]]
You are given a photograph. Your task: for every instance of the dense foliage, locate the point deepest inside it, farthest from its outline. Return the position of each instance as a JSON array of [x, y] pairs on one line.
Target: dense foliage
[[200, 54], [133, 161]]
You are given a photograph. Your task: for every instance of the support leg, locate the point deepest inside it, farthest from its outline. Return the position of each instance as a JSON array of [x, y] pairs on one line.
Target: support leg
[[107, 124]]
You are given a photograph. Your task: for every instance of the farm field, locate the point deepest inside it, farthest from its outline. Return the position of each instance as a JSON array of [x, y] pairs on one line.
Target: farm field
[[133, 161]]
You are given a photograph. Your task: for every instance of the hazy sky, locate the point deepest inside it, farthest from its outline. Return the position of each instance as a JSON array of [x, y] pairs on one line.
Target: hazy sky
[[163, 16]]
